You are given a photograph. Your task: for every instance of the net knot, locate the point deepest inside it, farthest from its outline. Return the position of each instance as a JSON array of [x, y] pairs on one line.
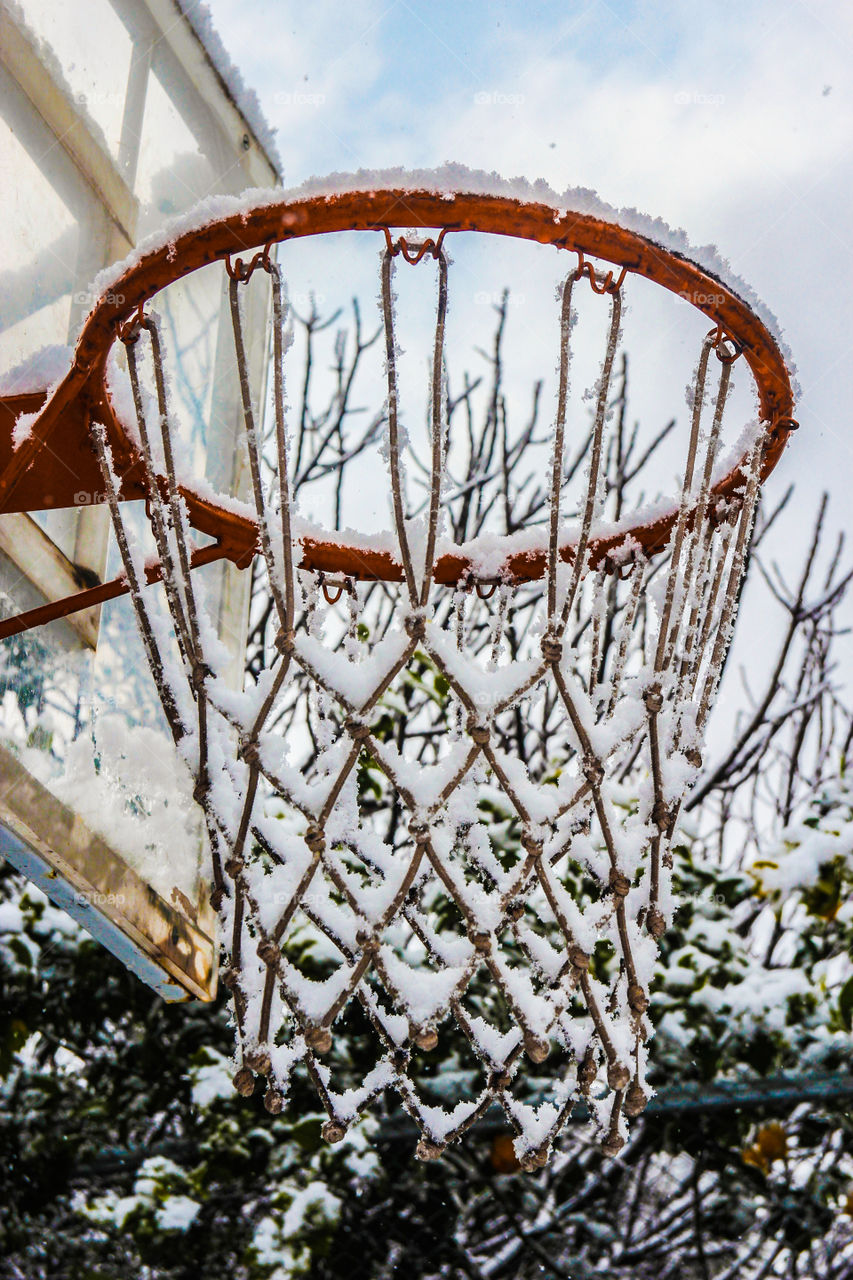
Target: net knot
[[635, 1101], [618, 1075], [578, 958], [419, 831], [244, 1082], [655, 923], [653, 699], [415, 625], [619, 883], [315, 838], [426, 1038], [593, 771], [269, 952], [233, 866], [199, 672], [662, 815], [534, 1160], [482, 941], [333, 1132], [552, 649], [319, 1039], [587, 1071], [357, 730], [536, 1047], [428, 1150], [259, 1061], [637, 998], [250, 753], [273, 1101], [285, 642], [230, 978], [400, 1058], [367, 941], [613, 1144], [479, 734]]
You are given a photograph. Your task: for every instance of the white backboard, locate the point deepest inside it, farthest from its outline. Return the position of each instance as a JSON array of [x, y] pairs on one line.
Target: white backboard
[[108, 127]]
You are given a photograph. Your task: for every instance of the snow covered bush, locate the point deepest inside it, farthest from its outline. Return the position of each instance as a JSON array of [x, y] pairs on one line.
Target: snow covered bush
[[127, 1153]]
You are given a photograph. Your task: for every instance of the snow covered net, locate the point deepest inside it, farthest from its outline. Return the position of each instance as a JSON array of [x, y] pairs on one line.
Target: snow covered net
[[438, 906]]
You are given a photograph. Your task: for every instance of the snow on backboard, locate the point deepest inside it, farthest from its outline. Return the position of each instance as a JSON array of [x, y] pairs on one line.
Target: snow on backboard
[[108, 128]]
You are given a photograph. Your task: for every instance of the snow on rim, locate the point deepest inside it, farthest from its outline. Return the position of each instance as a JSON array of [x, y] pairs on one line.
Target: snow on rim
[[448, 181]]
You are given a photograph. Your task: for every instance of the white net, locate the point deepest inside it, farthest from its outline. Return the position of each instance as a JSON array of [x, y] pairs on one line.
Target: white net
[[398, 853]]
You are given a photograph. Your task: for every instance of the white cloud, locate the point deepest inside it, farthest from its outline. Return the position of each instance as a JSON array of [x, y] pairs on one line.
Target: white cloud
[[736, 125]]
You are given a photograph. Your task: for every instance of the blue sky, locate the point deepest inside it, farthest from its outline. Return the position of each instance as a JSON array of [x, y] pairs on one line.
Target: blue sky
[[734, 123]]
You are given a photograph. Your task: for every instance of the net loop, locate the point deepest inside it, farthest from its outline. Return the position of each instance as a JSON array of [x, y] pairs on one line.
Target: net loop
[[413, 253], [128, 331], [552, 649], [332, 591], [607, 284], [243, 271], [726, 348]]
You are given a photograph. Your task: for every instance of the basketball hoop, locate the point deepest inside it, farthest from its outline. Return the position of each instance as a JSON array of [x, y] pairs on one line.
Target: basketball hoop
[[555, 923]]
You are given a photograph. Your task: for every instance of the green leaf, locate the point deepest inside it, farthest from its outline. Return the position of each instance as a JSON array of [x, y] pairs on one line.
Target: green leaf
[[845, 1004], [13, 1036]]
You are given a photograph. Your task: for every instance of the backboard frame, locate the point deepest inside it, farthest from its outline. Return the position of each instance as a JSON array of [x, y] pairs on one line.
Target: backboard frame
[[171, 945]]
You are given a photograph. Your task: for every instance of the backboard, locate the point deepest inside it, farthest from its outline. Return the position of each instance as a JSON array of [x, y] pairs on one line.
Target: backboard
[[108, 128]]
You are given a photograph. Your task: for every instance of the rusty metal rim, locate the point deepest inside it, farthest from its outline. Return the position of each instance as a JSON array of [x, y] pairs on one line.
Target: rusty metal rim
[[377, 211]]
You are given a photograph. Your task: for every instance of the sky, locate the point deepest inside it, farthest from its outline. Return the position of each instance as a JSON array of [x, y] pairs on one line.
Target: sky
[[733, 123]]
